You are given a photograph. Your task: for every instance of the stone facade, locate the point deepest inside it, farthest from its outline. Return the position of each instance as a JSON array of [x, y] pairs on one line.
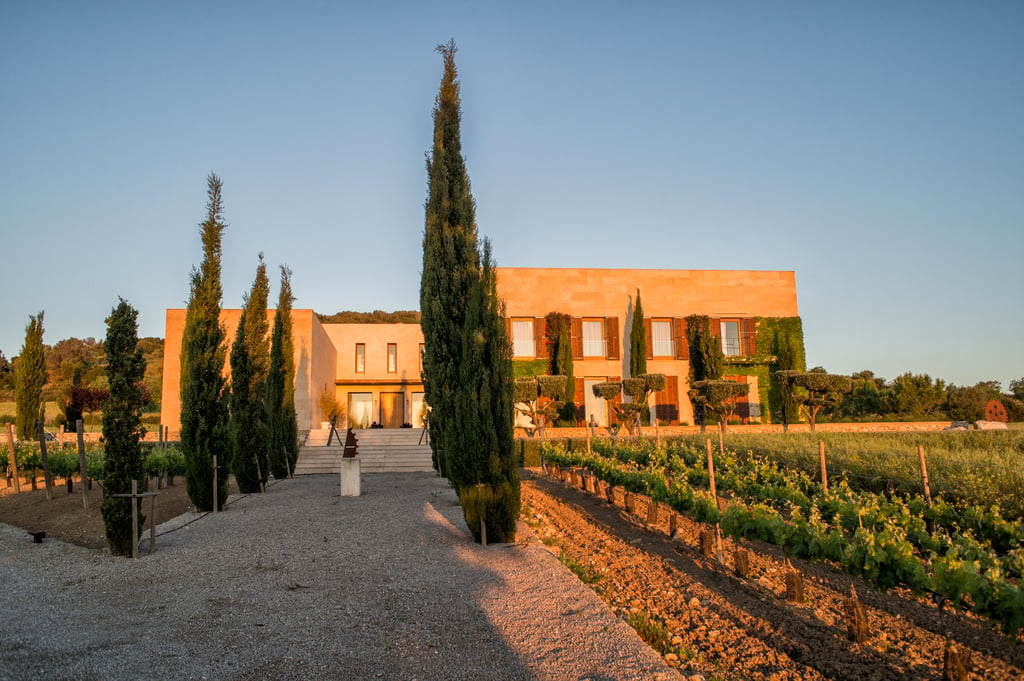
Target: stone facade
[[374, 369]]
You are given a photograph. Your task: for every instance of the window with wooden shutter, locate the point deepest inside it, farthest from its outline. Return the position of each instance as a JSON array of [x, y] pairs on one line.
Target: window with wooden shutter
[[580, 399], [659, 339], [749, 333], [649, 335], [523, 338], [666, 401], [576, 337], [540, 337], [611, 326], [682, 345], [593, 338]]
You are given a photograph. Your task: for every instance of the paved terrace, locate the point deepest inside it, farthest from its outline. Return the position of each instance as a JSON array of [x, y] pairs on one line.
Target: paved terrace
[[300, 583]]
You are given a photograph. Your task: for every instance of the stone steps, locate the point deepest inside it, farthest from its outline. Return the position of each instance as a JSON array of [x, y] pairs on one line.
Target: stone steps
[[380, 450]]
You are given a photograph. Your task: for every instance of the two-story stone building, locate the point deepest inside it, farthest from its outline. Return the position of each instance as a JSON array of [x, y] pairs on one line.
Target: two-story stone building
[[374, 369]]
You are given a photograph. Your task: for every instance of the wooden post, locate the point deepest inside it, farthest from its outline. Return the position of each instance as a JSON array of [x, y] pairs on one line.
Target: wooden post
[[47, 476], [214, 483], [589, 427], [711, 473], [824, 471], [954, 666], [652, 512], [856, 618], [14, 458], [924, 476], [657, 429], [672, 524], [741, 562], [794, 584], [82, 469], [60, 436], [152, 523], [135, 519], [707, 543]]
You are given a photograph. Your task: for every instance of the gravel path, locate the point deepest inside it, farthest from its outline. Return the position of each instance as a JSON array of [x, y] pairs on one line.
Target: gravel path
[[300, 583]]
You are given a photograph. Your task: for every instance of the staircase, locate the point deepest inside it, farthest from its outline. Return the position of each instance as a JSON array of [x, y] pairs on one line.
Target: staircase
[[380, 450]]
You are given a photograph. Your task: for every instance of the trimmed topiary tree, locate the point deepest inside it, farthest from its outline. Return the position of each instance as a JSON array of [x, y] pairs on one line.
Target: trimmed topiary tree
[[122, 427], [538, 398], [29, 378], [718, 398], [814, 389]]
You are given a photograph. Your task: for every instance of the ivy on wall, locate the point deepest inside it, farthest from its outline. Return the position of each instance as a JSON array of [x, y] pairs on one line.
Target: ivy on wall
[[773, 334], [528, 368]]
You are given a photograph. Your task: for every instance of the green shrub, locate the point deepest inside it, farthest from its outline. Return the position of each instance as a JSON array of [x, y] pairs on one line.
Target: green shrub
[[497, 505]]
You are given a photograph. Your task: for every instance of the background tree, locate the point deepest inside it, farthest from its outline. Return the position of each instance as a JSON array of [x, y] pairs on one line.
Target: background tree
[[122, 427], [966, 403], [1017, 388], [280, 408], [917, 396], [481, 457], [29, 378], [250, 359], [558, 337], [451, 261], [638, 340], [204, 404], [706, 357]]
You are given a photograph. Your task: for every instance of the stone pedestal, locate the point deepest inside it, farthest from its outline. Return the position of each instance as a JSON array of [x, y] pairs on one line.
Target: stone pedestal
[[350, 477]]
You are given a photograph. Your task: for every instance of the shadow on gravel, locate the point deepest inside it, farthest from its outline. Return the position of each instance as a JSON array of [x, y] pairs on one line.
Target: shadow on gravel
[[297, 583]]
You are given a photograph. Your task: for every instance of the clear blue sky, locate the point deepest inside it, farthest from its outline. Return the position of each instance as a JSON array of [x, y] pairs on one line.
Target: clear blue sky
[[877, 149]]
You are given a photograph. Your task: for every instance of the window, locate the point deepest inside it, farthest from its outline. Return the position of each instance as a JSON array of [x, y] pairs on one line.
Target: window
[[661, 338], [731, 346], [593, 338], [523, 344], [392, 358], [360, 358]]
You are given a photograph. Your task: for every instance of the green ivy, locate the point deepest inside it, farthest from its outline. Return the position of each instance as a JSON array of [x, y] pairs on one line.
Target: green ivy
[[528, 368]]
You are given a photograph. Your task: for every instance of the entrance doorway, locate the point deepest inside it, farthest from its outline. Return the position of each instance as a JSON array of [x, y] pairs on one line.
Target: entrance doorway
[[392, 410], [595, 406]]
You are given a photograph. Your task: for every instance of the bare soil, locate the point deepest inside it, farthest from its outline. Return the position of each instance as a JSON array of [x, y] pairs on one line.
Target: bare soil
[[721, 625], [63, 517]]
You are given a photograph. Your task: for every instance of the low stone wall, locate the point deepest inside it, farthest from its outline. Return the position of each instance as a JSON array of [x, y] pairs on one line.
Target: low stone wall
[[649, 431]]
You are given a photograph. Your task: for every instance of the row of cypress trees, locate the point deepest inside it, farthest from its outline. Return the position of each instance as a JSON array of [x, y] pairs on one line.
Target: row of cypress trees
[[249, 426], [467, 364]]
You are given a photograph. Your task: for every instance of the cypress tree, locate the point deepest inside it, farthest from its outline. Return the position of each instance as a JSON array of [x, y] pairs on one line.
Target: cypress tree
[[250, 358], [278, 430], [638, 341], [29, 378], [204, 403], [450, 261], [122, 427], [482, 463], [290, 418]]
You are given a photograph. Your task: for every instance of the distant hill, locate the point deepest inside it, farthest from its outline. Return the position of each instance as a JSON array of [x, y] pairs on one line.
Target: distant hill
[[375, 317]]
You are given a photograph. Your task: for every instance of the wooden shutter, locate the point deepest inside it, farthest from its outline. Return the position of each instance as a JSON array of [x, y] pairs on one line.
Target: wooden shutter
[[581, 400], [648, 331], [576, 337], [611, 336], [540, 338], [682, 346], [667, 401], [748, 334]]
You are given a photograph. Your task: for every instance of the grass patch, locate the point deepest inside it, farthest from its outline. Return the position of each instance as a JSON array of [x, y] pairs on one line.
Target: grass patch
[[654, 633], [586, 574]]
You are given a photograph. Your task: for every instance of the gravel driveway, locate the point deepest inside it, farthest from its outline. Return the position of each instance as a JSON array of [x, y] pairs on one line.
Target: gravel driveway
[[300, 583]]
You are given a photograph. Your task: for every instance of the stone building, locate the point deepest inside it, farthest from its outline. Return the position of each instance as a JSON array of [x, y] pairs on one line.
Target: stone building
[[374, 369]]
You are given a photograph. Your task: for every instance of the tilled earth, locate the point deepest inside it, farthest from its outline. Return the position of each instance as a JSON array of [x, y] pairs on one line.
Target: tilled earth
[[715, 624]]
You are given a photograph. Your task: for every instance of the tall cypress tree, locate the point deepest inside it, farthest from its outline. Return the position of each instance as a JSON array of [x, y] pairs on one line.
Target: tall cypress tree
[[29, 378], [250, 358], [450, 261], [481, 455], [278, 430], [290, 418], [638, 341], [204, 400], [122, 427]]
